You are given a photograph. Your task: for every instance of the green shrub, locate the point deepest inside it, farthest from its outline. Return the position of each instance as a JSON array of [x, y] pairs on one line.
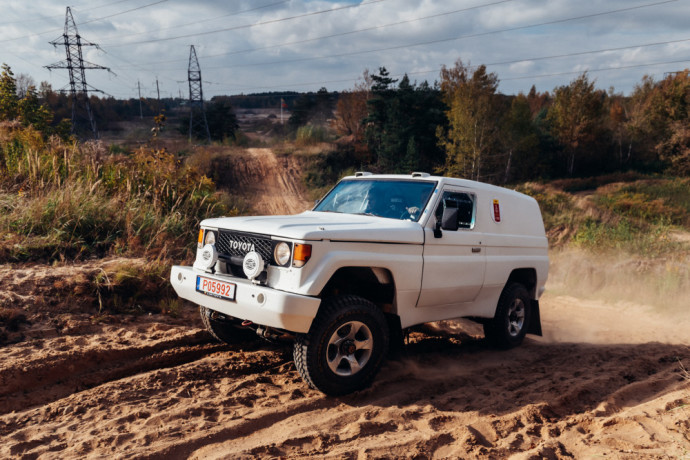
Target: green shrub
[[626, 236], [664, 202], [63, 200]]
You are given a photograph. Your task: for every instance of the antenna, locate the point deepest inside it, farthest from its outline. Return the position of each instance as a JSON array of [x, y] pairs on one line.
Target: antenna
[[197, 125], [76, 65]]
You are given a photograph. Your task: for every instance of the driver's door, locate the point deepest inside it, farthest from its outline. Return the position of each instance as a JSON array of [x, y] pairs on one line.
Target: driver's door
[[455, 262]]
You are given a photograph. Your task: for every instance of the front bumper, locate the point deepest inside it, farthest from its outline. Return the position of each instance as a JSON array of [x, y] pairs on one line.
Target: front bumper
[[259, 304]]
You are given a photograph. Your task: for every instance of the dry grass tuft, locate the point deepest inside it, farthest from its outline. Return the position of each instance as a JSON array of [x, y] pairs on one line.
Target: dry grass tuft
[[69, 200]]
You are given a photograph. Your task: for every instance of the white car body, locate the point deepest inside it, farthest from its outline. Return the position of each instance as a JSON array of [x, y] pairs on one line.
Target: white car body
[[426, 278]]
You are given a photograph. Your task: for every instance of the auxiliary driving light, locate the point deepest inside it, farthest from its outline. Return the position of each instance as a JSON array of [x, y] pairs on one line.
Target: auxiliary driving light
[[252, 265], [207, 257]]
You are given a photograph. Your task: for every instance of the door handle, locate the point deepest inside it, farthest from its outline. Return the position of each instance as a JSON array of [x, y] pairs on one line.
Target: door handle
[[476, 249]]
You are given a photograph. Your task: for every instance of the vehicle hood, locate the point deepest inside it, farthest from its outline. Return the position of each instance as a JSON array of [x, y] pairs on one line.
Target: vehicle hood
[[312, 225]]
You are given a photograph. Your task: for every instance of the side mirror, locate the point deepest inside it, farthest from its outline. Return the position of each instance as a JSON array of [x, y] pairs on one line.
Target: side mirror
[[449, 221]]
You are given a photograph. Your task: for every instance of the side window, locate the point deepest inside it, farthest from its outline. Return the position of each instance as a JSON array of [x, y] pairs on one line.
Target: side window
[[465, 204]]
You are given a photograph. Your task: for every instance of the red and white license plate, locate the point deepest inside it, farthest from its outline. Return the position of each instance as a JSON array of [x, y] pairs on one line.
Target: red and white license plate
[[215, 288]]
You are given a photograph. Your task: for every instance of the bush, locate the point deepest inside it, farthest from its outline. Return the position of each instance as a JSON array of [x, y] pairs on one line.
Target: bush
[[653, 201], [66, 200], [309, 134]]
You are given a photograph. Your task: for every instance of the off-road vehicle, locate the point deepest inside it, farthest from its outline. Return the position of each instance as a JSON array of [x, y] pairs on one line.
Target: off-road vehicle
[[378, 254]]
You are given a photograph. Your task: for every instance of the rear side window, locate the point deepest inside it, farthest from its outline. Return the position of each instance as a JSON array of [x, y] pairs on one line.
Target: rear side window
[[465, 204]]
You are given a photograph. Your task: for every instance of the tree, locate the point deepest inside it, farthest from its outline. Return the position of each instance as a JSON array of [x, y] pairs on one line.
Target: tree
[[521, 141], [8, 94], [32, 112], [351, 109], [673, 146], [472, 139], [537, 101], [24, 82], [576, 116], [222, 122], [401, 124]]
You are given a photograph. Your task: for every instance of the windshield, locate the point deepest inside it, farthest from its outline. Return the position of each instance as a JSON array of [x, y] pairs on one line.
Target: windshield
[[394, 199]]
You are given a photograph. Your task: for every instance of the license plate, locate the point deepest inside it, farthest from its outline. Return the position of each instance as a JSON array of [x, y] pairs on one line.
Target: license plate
[[215, 288]]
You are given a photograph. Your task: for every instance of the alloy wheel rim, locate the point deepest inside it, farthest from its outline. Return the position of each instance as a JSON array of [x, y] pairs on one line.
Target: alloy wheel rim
[[516, 317], [349, 348]]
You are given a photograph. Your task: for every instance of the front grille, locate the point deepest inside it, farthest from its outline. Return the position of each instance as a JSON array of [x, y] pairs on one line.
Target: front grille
[[235, 245]]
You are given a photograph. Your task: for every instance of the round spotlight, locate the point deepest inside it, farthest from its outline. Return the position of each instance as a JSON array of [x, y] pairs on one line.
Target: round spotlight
[[207, 257], [252, 265]]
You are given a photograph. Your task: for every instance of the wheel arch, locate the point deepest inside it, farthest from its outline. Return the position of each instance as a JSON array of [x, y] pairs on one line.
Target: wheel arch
[[375, 284], [527, 277]]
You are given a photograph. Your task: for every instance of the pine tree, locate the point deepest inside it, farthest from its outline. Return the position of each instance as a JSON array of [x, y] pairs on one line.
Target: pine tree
[[8, 94]]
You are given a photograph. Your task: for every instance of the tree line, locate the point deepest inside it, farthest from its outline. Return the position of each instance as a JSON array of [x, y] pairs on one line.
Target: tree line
[[462, 126]]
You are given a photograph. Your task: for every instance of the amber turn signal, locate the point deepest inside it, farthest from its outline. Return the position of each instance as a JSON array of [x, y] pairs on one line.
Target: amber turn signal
[[301, 255], [201, 238]]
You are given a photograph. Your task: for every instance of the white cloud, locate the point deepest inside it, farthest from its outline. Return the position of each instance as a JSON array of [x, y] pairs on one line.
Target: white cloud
[[338, 61]]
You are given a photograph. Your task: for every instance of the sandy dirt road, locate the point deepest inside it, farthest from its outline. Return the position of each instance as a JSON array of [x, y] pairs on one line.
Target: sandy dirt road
[[604, 382], [270, 183]]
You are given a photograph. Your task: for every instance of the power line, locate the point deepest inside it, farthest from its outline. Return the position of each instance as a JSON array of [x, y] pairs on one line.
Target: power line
[[341, 34], [603, 69], [82, 23], [234, 13], [46, 18], [247, 26], [432, 42], [422, 72]]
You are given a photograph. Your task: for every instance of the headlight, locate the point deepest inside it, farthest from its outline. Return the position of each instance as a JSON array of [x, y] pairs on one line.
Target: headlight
[[210, 237], [281, 253]]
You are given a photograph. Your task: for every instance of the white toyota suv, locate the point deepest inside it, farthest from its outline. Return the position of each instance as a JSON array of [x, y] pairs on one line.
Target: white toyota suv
[[378, 254]]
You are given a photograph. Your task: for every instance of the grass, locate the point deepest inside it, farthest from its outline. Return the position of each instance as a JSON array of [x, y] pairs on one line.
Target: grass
[[652, 201], [636, 218], [66, 201], [69, 200], [130, 287]]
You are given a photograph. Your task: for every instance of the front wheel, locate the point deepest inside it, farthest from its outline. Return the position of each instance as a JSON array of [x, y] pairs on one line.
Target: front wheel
[[345, 346], [508, 327]]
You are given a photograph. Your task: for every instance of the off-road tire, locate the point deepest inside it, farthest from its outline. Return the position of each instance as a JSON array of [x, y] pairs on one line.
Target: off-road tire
[[505, 330], [224, 328], [312, 351]]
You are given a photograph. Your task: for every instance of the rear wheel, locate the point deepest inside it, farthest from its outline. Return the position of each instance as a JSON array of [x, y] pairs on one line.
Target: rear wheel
[[508, 327], [225, 328], [345, 347]]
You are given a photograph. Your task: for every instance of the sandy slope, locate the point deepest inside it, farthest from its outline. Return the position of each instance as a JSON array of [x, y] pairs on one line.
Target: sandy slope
[[605, 381], [271, 184]]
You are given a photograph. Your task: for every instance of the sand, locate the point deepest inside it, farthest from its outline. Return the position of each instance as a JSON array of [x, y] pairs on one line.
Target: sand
[[604, 382]]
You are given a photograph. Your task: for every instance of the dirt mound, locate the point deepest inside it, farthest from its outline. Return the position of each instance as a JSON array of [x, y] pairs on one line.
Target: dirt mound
[[270, 184], [152, 387]]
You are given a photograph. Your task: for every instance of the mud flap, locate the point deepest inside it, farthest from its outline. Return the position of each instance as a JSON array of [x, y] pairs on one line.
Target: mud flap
[[396, 343], [535, 321]]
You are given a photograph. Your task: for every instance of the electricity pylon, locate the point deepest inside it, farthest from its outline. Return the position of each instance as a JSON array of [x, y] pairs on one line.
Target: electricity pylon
[[198, 126], [79, 89]]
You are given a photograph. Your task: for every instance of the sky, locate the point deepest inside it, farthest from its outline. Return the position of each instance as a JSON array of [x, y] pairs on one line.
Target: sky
[[255, 46]]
